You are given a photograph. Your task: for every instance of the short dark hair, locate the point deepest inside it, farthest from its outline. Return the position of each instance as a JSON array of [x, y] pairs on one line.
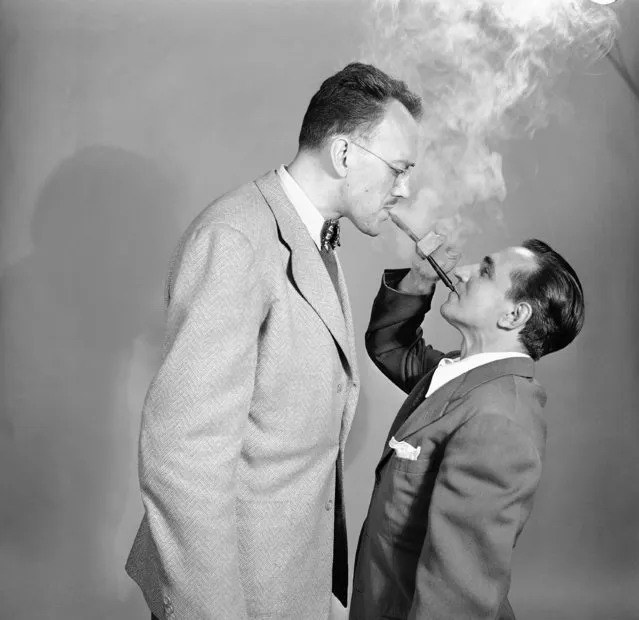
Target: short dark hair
[[353, 101], [556, 297]]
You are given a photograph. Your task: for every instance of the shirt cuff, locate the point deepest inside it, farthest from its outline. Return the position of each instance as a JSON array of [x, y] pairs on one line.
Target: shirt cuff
[[411, 305]]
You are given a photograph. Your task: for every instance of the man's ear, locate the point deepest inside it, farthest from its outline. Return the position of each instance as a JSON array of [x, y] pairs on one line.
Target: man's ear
[[518, 316], [338, 150]]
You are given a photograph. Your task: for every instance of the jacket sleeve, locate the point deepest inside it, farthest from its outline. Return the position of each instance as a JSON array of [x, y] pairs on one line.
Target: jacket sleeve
[[489, 469], [194, 419], [394, 336]]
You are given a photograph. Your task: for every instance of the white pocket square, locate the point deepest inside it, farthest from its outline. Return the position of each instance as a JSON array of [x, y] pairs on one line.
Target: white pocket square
[[404, 450]]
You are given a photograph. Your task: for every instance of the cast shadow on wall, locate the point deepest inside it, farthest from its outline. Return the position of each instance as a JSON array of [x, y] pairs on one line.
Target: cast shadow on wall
[[103, 229]]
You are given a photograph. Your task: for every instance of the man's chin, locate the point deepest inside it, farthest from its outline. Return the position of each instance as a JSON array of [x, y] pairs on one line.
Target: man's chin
[[374, 227], [447, 312], [372, 230]]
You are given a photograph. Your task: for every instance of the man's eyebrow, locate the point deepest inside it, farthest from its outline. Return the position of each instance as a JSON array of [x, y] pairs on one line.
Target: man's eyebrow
[[488, 266], [405, 163]]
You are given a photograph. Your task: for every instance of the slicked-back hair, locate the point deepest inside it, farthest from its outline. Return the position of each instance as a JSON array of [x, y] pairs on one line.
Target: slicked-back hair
[[556, 297], [353, 102]]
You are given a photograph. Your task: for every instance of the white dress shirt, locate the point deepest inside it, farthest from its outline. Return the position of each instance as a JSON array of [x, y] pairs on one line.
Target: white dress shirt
[[449, 369], [307, 211]]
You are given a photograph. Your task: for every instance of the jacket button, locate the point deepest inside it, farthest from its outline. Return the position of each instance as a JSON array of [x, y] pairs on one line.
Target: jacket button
[[168, 608], [329, 504], [340, 387]]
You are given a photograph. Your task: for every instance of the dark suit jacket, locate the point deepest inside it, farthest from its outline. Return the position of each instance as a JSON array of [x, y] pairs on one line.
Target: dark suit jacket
[[438, 539]]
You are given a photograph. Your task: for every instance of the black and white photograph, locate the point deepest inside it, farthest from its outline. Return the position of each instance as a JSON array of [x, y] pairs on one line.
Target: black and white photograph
[[319, 309]]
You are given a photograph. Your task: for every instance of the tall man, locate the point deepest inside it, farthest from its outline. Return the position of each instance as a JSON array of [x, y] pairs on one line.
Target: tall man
[[244, 425], [456, 480]]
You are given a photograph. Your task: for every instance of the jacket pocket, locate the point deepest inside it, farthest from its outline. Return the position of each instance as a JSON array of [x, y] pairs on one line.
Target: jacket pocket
[[418, 466], [410, 489]]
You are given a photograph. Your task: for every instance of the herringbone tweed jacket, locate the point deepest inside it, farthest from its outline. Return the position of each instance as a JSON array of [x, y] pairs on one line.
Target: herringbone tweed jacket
[[244, 425]]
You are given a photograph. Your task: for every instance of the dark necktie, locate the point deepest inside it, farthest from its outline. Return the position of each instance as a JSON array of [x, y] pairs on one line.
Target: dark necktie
[[329, 239], [331, 266]]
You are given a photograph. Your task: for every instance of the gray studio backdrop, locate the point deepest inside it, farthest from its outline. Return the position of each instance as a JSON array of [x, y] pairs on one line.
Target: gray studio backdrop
[[119, 122]]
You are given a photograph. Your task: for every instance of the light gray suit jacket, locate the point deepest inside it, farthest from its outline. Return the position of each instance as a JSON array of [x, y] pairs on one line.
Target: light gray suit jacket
[[244, 425]]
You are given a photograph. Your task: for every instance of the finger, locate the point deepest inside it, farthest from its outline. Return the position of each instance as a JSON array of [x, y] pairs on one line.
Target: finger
[[453, 253], [445, 251], [447, 257]]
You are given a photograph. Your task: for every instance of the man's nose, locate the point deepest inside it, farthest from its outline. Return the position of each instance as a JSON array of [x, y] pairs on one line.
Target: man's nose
[[401, 188]]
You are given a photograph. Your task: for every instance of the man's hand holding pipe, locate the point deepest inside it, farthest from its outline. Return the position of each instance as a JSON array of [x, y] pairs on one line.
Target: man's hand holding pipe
[[421, 279]]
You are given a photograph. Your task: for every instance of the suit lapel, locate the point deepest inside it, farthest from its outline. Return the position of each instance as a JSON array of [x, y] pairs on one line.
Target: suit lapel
[[349, 412], [423, 412], [415, 403], [415, 398], [308, 272]]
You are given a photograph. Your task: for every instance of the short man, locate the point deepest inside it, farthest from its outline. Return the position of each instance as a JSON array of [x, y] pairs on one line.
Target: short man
[[462, 461], [244, 425]]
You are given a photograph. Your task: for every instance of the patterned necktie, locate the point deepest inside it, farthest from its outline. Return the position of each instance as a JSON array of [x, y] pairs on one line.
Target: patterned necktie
[[329, 236], [329, 239]]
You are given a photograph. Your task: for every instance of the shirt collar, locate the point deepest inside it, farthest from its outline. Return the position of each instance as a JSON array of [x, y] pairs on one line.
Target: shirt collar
[[479, 359], [307, 211], [449, 369]]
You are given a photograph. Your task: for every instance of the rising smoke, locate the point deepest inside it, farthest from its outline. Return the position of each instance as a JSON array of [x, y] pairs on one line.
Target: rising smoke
[[486, 71]]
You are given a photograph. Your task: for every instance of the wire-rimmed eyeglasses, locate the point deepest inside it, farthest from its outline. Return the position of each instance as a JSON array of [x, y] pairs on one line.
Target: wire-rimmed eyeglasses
[[401, 174]]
